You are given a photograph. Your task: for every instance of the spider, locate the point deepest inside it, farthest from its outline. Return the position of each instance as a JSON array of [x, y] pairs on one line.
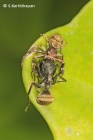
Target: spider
[[54, 43]]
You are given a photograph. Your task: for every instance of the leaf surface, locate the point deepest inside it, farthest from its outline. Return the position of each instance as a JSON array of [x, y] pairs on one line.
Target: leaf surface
[[70, 116]]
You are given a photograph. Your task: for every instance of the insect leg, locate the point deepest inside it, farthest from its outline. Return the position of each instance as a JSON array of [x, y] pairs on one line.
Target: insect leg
[[58, 75], [37, 68], [62, 68], [37, 86], [28, 97], [62, 65], [63, 80]]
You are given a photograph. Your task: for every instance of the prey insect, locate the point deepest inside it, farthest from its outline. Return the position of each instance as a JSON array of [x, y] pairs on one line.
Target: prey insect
[[47, 76]]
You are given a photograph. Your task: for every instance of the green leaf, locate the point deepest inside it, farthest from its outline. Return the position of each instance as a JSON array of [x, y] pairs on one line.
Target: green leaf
[[70, 116]]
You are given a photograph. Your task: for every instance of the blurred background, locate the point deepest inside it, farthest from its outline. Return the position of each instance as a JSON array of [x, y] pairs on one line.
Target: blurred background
[[19, 28]]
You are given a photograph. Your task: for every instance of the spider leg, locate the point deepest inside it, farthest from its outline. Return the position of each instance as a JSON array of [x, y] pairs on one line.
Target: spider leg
[[33, 60], [61, 60], [39, 51], [31, 50], [45, 38]]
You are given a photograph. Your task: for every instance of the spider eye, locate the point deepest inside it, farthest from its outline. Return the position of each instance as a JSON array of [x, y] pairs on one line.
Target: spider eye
[[55, 41]]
